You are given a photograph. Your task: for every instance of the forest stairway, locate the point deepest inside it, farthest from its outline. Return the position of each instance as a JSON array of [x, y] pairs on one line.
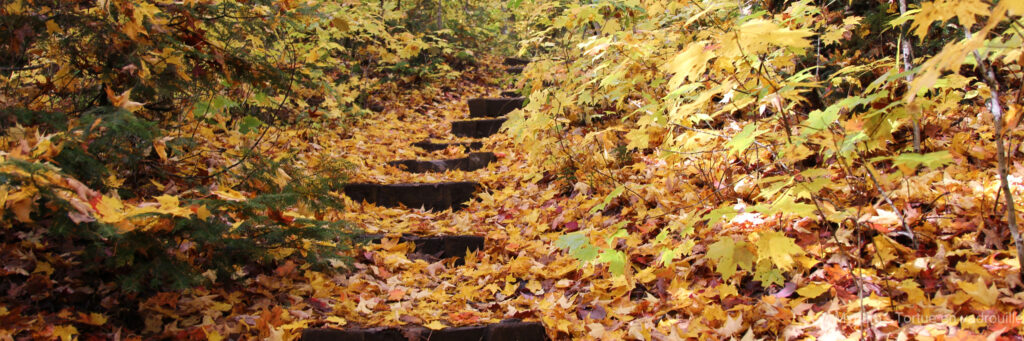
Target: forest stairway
[[486, 115]]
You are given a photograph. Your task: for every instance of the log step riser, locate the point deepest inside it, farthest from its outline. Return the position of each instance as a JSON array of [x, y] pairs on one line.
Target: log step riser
[[494, 107], [430, 146], [470, 163], [432, 196], [438, 246], [477, 128], [512, 61]]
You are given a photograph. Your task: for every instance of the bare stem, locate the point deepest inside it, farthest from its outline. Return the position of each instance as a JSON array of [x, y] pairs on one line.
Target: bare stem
[[884, 195]]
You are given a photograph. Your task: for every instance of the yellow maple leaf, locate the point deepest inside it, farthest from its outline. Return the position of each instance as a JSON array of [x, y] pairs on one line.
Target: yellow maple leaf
[[110, 210], [230, 194], [942, 10], [982, 294], [689, 64], [44, 268], [757, 35], [202, 212], [14, 8], [213, 335], [123, 100], [65, 333], [337, 320], [436, 325], [914, 293], [22, 209], [813, 290], [950, 58], [725, 290], [728, 254], [967, 267], [97, 319], [113, 181], [171, 205], [778, 248], [160, 146]]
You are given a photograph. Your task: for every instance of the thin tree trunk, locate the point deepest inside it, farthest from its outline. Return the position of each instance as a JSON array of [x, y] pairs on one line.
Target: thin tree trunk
[[908, 64], [439, 13], [1004, 183]]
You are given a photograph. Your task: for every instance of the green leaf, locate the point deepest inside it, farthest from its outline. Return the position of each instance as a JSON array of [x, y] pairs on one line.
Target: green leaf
[[850, 143], [249, 124], [661, 236], [716, 215], [572, 241], [616, 261], [620, 233], [668, 255], [768, 274], [819, 120], [930, 160], [214, 106], [578, 245], [900, 20], [585, 254], [220, 103], [786, 204], [201, 109], [608, 199], [728, 254], [742, 140]]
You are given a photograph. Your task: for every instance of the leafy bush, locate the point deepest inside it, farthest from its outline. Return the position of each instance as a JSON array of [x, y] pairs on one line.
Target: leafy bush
[[150, 123]]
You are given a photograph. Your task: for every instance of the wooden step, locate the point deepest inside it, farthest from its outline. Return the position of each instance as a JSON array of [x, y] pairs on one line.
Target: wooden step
[[477, 128], [440, 247], [504, 331], [494, 107], [515, 70], [469, 163], [510, 93], [430, 146], [512, 61], [430, 196]]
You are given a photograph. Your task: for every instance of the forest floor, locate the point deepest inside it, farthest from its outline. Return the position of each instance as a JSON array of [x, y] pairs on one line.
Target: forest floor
[[520, 273], [528, 215]]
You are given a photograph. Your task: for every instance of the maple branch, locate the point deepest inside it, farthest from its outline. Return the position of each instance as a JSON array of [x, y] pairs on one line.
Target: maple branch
[[572, 162], [856, 278], [775, 88], [848, 169], [878, 186]]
